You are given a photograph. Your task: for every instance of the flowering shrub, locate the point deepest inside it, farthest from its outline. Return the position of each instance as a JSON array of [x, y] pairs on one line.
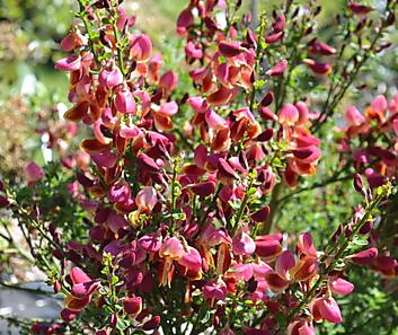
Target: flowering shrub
[[166, 221]]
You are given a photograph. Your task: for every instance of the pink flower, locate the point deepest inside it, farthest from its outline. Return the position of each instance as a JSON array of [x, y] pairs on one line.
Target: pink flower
[[278, 69], [82, 289], [124, 102], [284, 263], [288, 115], [261, 215], [193, 51], [305, 245], [184, 21], [220, 97], [204, 189], [132, 305], [168, 81], [72, 41], [172, 248], [239, 271], [326, 309], [152, 323], [359, 9], [146, 199], [304, 113], [110, 78], [317, 67], [33, 173], [140, 47], [379, 104], [214, 120], [300, 327], [192, 262], [354, 117], [317, 47], [340, 286], [269, 246], [307, 155], [230, 49], [279, 23], [69, 64], [243, 244], [274, 37], [215, 291], [364, 257], [119, 192], [150, 243]]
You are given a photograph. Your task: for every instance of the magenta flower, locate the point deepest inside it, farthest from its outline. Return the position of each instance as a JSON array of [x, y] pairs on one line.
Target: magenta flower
[[191, 261], [340, 286], [119, 192], [184, 21], [318, 47], [124, 101], [150, 243], [193, 51], [289, 115], [146, 199], [243, 244], [278, 69], [33, 173], [354, 117], [261, 215], [73, 41], [269, 246], [152, 323], [317, 67], [132, 305], [140, 47], [359, 9], [326, 309], [69, 64], [300, 327], [215, 291], [168, 81], [110, 78], [230, 49], [82, 289]]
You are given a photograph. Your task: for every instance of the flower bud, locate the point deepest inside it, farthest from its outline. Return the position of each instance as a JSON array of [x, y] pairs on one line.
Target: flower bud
[[340, 286], [152, 323], [278, 69], [132, 305], [3, 201], [124, 102], [229, 49], [364, 257], [326, 309]]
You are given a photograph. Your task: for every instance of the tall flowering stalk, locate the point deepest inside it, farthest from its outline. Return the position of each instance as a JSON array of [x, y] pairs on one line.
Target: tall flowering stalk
[[179, 211]]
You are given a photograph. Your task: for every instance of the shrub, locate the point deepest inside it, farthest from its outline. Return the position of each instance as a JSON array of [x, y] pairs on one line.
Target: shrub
[[167, 218]]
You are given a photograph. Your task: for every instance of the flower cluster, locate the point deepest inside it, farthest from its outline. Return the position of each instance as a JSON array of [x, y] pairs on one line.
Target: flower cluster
[[180, 209], [370, 139]]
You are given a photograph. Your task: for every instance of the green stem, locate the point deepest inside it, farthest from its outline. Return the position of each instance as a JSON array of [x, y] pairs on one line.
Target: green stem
[[269, 224]]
